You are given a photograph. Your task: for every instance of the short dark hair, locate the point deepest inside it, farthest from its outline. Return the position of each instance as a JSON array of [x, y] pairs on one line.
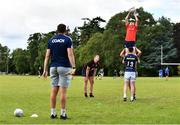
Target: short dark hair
[[130, 49], [61, 28]]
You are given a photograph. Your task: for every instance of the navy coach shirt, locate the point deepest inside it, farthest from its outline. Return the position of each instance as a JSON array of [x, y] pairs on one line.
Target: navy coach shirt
[[58, 46]]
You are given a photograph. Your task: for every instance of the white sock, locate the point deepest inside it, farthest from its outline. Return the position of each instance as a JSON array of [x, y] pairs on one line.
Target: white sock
[[132, 97], [125, 96], [53, 111], [63, 112]]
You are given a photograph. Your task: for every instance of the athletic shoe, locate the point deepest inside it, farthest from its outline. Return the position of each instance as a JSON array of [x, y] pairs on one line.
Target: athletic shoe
[[125, 99], [85, 94], [134, 96], [132, 100], [91, 95], [63, 117], [53, 116]]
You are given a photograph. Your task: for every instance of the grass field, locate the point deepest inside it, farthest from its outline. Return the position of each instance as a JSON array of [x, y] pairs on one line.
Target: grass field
[[158, 101]]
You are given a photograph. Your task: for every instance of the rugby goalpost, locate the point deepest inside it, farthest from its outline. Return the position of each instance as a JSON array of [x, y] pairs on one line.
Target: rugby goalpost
[[164, 63]]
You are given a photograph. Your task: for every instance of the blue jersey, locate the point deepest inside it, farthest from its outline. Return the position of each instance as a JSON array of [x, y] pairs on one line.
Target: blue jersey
[[58, 46], [161, 72], [167, 70], [130, 63]]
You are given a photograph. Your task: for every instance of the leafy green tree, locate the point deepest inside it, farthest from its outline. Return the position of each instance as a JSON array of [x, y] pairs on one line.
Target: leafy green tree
[[176, 37], [39, 61], [162, 34], [92, 47], [75, 35], [4, 58], [33, 44], [89, 28], [21, 61]]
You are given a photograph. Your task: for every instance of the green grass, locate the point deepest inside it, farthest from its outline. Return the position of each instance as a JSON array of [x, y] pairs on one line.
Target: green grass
[[158, 101]]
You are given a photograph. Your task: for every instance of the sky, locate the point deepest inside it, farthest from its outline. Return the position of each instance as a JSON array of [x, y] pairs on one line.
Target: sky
[[20, 18]]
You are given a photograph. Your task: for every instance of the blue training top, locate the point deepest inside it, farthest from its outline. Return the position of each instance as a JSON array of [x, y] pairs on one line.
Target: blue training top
[[161, 72], [167, 70], [130, 63], [58, 46]]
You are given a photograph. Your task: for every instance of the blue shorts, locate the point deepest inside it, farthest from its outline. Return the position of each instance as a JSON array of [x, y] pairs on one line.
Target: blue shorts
[[129, 44], [60, 76]]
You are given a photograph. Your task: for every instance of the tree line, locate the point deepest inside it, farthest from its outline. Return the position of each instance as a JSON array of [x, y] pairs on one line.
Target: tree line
[[91, 39]]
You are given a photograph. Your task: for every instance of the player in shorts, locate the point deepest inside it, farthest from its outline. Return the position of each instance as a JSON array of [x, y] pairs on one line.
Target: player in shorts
[[130, 62], [131, 31], [88, 73], [167, 72], [62, 65]]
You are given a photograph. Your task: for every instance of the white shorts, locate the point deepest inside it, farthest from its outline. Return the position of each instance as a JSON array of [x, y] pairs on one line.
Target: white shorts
[[60, 77], [130, 76]]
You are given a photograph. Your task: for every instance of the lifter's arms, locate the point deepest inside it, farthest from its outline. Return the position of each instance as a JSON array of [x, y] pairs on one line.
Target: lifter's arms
[[123, 60], [138, 52], [122, 53], [46, 60], [71, 59]]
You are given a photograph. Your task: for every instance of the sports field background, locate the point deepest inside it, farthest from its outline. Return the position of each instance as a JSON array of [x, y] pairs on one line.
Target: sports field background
[[158, 101]]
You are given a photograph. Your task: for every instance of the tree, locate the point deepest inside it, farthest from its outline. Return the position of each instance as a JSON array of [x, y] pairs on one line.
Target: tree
[[75, 37], [37, 44], [4, 58], [33, 44], [161, 35], [21, 60], [176, 36], [89, 28], [39, 61], [178, 70]]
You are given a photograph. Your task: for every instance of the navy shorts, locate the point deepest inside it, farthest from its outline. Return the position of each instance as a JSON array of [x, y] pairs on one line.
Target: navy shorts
[[91, 73], [129, 44]]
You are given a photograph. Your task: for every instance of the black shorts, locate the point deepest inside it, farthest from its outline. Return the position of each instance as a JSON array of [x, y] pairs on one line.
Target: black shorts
[[91, 73], [129, 44]]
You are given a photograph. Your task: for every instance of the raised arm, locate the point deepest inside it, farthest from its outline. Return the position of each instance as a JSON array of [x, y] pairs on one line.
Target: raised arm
[[126, 19], [136, 18]]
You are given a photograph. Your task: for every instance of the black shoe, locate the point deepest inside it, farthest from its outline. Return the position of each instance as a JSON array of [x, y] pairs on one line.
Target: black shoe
[[134, 96], [132, 100], [124, 99], [91, 95], [53, 116], [63, 117], [85, 94]]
